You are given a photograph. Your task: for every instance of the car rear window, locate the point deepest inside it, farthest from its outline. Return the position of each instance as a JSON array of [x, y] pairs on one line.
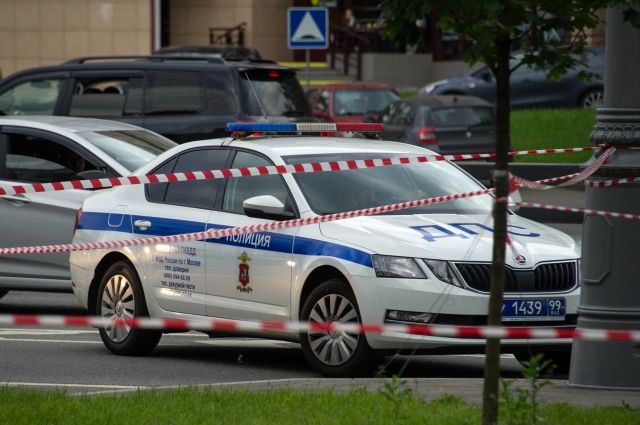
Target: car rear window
[[461, 116], [361, 102], [278, 91]]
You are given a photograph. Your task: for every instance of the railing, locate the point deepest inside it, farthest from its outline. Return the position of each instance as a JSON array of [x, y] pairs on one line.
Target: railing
[[228, 36], [348, 42]]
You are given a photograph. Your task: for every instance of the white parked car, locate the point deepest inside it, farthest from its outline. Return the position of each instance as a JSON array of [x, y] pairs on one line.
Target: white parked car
[[422, 265], [49, 149]]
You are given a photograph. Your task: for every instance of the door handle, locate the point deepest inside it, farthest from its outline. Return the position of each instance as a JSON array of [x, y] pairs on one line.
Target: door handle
[[142, 224], [16, 199]]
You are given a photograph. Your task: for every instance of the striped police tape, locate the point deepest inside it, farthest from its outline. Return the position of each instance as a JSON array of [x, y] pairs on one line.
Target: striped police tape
[[228, 325], [309, 167]]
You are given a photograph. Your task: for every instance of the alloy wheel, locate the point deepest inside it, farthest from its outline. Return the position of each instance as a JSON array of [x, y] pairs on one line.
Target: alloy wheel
[[334, 347], [118, 302], [593, 100]]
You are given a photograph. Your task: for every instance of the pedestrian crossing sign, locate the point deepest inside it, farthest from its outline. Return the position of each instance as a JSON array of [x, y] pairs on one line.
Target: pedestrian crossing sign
[[308, 27]]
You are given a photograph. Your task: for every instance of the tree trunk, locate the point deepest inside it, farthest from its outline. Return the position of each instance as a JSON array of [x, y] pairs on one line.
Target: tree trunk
[[500, 178]]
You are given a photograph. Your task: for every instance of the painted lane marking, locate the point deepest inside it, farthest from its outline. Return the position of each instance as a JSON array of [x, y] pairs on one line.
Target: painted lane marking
[[46, 384]]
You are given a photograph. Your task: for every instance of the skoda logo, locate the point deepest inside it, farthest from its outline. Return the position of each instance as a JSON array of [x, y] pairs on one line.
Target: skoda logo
[[520, 259]]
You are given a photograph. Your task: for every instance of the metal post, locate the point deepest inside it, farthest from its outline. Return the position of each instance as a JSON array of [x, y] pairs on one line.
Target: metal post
[[307, 57], [610, 296]]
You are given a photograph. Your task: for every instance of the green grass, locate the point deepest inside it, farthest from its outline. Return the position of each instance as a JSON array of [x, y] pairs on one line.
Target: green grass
[[282, 407], [552, 128]]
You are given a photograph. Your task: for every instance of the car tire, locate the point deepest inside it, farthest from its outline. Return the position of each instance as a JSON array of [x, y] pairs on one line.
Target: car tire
[[3, 292], [120, 294], [336, 354], [592, 99], [560, 359]]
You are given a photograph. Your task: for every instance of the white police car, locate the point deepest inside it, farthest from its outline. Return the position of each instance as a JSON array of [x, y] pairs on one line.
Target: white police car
[[422, 265]]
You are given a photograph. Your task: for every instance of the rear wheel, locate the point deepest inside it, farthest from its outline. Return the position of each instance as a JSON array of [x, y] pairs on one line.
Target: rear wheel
[[120, 296], [334, 353], [3, 292]]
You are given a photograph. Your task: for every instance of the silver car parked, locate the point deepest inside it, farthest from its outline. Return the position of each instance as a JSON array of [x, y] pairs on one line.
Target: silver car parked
[[49, 149]]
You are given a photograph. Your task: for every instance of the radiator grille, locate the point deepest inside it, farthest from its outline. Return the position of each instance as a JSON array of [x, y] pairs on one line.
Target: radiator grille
[[548, 277]]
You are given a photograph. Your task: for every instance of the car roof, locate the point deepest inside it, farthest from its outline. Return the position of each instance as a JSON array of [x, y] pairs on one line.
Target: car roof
[[448, 100], [176, 62], [70, 124]]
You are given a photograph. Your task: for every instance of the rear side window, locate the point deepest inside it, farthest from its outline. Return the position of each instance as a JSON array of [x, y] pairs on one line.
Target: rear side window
[[106, 97], [174, 92], [466, 116], [277, 91], [35, 97], [196, 194]]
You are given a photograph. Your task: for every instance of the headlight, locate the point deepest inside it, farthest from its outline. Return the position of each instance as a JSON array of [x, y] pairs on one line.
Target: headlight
[[431, 87], [386, 266], [443, 271]]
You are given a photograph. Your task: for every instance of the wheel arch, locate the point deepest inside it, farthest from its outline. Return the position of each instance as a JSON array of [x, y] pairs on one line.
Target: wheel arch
[[106, 262], [316, 277]]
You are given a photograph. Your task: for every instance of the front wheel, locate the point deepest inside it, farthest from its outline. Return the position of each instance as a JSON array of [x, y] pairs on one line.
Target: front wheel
[[560, 360], [120, 296], [334, 353]]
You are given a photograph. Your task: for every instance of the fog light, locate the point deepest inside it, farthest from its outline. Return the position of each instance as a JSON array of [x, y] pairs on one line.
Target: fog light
[[408, 316]]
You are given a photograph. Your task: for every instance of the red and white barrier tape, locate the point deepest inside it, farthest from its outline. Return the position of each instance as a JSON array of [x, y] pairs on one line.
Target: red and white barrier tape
[[565, 180], [587, 211], [309, 167], [253, 228], [482, 332], [613, 182]]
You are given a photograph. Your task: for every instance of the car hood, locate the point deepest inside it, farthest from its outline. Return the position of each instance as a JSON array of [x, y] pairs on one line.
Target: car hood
[[452, 237]]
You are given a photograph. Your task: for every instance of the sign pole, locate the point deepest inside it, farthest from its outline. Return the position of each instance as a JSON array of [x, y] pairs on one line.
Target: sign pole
[[307, 56]]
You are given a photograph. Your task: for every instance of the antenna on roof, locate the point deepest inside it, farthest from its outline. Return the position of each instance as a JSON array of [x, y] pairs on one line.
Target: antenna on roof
[[256, 95]]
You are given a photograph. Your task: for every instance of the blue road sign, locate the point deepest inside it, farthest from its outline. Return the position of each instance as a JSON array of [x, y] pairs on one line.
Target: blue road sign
[[308, 27]]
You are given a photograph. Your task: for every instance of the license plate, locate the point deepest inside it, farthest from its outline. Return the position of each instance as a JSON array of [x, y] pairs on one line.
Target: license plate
[[533, 309]]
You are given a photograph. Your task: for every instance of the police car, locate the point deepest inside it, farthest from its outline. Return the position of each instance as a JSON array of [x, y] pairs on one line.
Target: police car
[[425, 265]]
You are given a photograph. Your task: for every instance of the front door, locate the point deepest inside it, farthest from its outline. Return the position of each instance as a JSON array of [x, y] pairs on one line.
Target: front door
[[249, 276]]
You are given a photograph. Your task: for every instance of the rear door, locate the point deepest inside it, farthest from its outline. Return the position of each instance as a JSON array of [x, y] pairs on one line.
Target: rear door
[[177, 271], [35, 156], [189, 105], [463, 129]]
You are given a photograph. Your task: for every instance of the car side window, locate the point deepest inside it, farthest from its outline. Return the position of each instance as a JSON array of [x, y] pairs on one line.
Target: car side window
[[106, 97], [403, 114], [174, 92], [241, 188], [35, 97], [37, 159], [196, 194]]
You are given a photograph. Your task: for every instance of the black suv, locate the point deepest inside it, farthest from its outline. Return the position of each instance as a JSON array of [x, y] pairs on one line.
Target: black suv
[[182, 98]]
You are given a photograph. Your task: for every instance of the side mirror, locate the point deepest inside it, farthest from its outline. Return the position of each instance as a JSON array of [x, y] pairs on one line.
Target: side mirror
[[265, 206]]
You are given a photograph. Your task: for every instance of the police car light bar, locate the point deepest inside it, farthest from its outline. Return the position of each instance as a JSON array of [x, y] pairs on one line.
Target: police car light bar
[[310, 127]]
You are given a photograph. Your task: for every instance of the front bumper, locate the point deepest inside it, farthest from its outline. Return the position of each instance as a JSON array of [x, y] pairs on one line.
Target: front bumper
[[450, 305]]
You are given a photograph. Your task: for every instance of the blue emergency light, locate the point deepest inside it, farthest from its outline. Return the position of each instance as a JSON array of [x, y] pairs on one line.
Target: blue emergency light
[[305, 127]]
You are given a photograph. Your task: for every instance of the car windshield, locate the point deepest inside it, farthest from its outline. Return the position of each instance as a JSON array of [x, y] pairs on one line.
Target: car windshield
[[340, 191], [131, 148], [465, 116], [277, 91], [361, 102]]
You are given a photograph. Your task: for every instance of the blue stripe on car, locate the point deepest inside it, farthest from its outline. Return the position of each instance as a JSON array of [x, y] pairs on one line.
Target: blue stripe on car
[[278, 242]]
